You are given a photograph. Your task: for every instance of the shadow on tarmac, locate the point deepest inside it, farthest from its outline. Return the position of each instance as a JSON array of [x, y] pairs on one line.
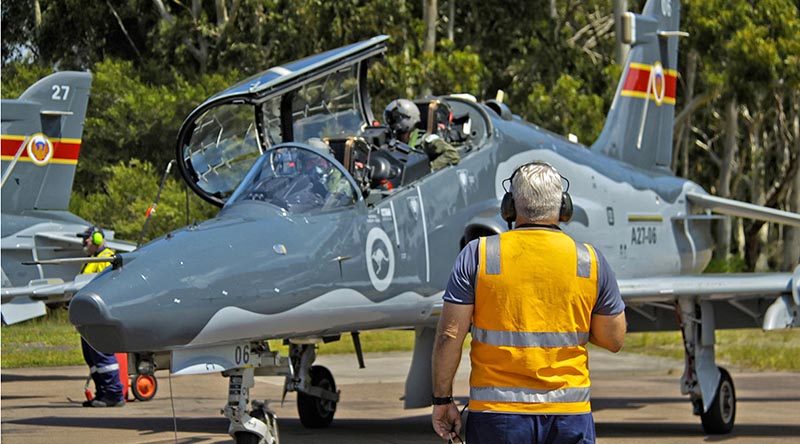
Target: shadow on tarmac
[[374, 429], [655, 429], [599, 404], [11, 377]]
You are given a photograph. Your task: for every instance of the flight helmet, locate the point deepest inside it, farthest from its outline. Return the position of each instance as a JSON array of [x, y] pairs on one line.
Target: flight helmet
[[401, 115]]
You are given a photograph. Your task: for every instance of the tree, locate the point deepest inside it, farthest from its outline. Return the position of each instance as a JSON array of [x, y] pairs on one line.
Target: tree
[[129, 189]]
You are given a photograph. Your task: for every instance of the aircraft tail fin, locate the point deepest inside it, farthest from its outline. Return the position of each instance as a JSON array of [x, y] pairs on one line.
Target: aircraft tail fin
[[41, 140], [638, 129]]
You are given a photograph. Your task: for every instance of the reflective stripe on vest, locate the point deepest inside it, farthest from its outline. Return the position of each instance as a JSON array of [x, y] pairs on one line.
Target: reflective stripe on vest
[[534, 295], [514, 394], [529, 339]]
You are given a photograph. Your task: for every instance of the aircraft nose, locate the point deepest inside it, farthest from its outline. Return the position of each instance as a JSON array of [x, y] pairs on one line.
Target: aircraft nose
[[90, 315]]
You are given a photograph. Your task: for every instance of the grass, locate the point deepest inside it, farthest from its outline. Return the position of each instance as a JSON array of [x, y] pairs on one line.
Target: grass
[[749, 348], [52, 341], [42, 342]]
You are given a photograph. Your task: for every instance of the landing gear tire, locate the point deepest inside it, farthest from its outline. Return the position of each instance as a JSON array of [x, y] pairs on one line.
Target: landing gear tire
[[720, 416], [144, 387], [247, 438], [316, 412]]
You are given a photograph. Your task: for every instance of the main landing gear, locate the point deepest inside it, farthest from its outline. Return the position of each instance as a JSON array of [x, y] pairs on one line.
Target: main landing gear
[[252, 422], [709, 387], [316, 389]]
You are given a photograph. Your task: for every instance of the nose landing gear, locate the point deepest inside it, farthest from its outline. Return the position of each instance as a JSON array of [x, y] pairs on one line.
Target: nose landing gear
[[256, 426]]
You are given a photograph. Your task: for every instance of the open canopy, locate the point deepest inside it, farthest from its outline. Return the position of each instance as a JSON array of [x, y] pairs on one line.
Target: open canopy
[[321, 96]]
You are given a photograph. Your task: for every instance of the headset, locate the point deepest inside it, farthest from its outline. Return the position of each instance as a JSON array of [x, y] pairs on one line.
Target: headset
[[509, 212], [96, 234]]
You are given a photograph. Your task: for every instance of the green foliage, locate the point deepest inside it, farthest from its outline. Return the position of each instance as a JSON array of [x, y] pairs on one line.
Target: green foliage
[[128, 191], [408, 74], [734, 264], [19, 76], [566, 108], [130, 117], [745, 46]]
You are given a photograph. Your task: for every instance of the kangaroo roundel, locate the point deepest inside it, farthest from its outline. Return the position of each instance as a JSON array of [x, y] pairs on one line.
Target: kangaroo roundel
[[380, 259]]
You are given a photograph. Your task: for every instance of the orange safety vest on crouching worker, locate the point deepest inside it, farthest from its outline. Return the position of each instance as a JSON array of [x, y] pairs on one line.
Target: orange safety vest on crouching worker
[[96, 267], [534, 294]]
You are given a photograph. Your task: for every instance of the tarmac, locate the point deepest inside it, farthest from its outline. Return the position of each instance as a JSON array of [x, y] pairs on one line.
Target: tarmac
[[635, 398]]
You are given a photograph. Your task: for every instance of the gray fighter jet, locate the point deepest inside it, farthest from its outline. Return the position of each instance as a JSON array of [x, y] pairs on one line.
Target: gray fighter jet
[[312, 244], [41, 141]]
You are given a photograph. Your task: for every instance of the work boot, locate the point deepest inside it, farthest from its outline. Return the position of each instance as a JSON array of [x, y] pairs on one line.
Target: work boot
[[104, 403]]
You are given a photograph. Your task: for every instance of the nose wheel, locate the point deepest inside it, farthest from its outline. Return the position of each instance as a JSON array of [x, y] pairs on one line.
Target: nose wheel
[[317, 410]]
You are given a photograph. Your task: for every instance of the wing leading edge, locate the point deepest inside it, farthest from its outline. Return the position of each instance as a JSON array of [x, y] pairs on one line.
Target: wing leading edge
[[737, 289], [743, 209]]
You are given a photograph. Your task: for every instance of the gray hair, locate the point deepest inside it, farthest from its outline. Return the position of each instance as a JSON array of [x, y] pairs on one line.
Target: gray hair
[[537, 192]]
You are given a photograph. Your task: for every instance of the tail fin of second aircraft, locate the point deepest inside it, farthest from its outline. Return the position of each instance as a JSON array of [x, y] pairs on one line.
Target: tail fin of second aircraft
[[50, 115], [638, 129]]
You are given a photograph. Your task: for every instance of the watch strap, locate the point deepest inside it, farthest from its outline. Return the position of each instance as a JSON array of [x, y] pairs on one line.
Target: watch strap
[[441, 400]]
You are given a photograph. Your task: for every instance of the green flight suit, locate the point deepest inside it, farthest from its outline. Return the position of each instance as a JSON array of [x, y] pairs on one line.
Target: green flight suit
[[438, 150]]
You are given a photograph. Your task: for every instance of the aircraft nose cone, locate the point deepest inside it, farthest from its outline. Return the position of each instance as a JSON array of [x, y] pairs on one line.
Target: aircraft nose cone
[[90, 315]]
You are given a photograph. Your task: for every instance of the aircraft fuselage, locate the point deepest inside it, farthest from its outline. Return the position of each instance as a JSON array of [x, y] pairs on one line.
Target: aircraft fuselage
[[258, 272]]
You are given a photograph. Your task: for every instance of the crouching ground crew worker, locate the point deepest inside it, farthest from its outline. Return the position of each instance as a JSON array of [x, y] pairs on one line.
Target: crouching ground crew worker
[[535, 297], [402, 116], [103, 367]]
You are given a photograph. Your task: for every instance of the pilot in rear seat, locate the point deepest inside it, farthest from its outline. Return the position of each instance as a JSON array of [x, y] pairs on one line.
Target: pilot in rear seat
[[402, 116]]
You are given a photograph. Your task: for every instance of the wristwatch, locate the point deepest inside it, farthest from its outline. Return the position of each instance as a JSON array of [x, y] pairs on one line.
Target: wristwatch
[[444, 400]]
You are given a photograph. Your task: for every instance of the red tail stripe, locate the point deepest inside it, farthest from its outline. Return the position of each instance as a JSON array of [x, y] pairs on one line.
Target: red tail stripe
[[638, 79], [61, 150]]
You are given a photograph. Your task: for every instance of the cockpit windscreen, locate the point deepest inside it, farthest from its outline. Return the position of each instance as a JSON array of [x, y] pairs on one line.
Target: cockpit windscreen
[[297, 180]]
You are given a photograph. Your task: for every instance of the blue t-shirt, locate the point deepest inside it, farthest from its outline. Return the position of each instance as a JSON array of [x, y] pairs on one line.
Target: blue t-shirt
[[461, 285]]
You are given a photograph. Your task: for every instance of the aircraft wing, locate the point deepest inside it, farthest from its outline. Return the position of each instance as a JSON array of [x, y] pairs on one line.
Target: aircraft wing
[[72, 239], [738, 290], [711, 286], [743, 209]]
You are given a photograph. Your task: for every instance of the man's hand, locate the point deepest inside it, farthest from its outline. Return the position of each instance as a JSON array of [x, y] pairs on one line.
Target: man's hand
[[446, 421]]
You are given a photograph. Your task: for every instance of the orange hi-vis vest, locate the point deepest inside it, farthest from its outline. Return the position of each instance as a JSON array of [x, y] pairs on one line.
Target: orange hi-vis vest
[[534, 294]]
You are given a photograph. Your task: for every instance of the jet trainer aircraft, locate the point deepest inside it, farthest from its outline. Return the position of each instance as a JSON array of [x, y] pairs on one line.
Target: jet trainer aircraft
[[41, 141], [311, 245]]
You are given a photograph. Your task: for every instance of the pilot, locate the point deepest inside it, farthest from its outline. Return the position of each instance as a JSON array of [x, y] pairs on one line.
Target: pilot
[[534, 297], [103, 367], [336, 187], [402, 116]]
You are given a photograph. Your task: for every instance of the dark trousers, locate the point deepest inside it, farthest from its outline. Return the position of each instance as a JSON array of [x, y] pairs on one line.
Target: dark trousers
[[505, 428], [104, 369]]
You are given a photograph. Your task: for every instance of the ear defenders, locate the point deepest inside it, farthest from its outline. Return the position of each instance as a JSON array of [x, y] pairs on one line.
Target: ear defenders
[[96, 235], [98, 238], [509, 212]]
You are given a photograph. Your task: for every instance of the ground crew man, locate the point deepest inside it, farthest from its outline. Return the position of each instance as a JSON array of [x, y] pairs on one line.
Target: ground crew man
[[103, 367], [534, 297], [402, 116]]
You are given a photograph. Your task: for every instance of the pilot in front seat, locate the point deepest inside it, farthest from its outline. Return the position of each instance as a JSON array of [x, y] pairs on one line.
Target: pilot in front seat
[[329, 182], [402, 116]]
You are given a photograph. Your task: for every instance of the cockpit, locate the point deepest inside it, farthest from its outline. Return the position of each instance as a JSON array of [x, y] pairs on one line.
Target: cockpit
[[297, 180], [250, 142]]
